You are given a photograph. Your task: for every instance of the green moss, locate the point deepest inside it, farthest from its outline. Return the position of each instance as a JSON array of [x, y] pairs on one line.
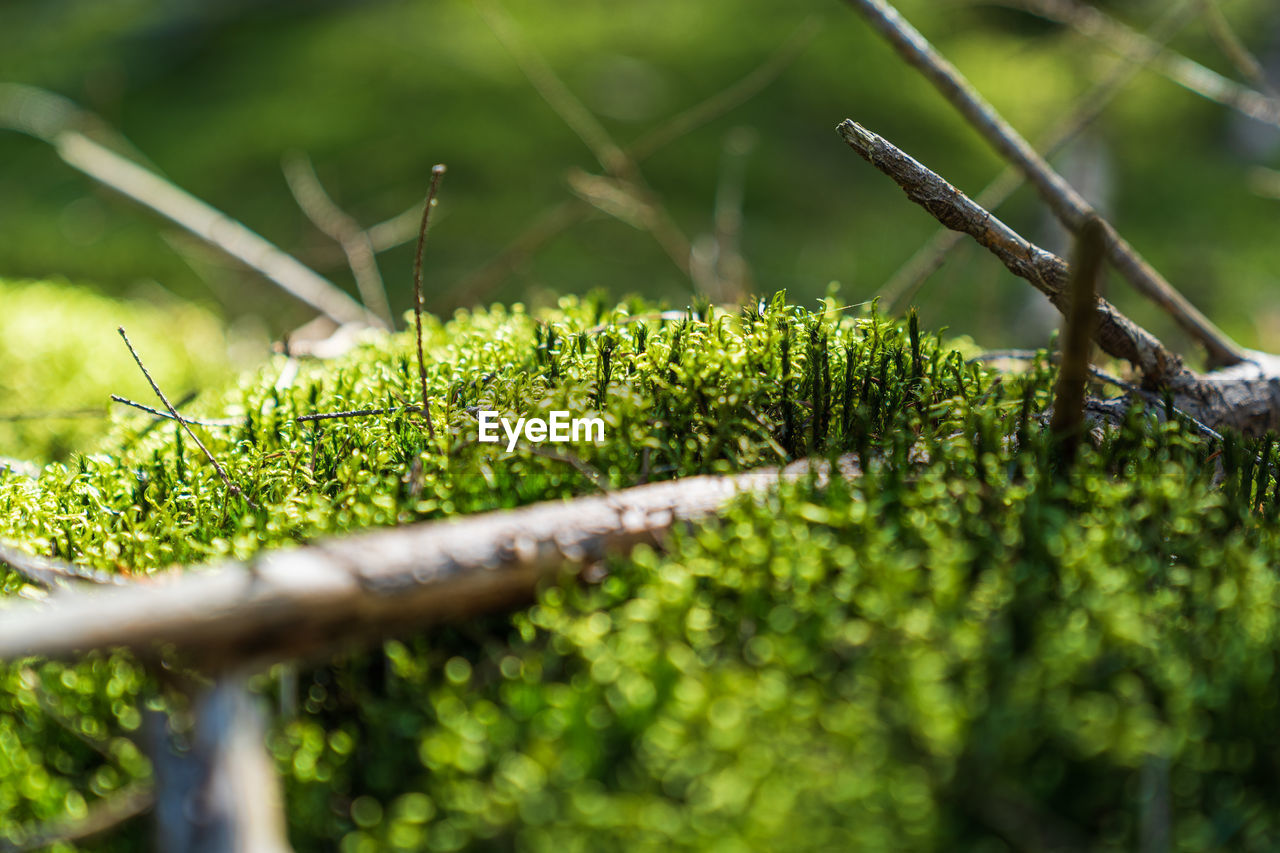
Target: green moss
[[958, 650]]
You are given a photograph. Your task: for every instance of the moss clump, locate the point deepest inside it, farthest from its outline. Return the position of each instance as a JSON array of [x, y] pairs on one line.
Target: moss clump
[[965, 648], [59, 355]]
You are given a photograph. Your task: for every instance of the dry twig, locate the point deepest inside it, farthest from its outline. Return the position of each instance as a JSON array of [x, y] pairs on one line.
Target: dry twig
[[343, 229], [56, 120], [560, 217], [437, 172], [1069, 206], [48, 573], [232, 488], [1245, 396], [1205, 82], [1067, 425], [1234, 48], [902, 287]]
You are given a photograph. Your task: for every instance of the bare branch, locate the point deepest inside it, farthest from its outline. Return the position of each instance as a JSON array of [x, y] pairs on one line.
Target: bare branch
[[1245, 396], [1067, 425], [222, 794], [343, 229], [617, 162], [1070, 207], [738, 93], [1205, 82], [54, 120], [553, 90], [558, 218], [310, 599], [902, 287], [1116, 334]]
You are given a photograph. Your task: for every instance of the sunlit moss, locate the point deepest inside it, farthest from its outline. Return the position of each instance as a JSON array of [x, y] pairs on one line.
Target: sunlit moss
[[909, 660]]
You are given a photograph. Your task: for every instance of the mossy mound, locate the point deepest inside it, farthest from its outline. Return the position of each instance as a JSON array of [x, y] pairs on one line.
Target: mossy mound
[[968, 647], [61, 359]]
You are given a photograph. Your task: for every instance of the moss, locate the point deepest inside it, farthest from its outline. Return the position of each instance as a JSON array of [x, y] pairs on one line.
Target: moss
[[962, 649]]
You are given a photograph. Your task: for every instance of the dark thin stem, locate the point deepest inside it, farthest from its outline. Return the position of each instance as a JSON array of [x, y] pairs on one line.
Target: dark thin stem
[[231, 487], [353, 413], [437, 173], [1068, 396], [226, 422]]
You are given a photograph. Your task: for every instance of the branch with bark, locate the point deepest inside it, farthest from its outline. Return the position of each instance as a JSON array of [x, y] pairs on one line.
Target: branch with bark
[[1245, 396], [317, 598]]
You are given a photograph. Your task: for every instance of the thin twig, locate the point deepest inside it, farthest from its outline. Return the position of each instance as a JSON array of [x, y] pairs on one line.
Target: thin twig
[[726, 99], [224, 422], [553, 90], [437, 173], [55, 120], [903, 286], [355, 242], [558, 218], [231, 487], [1069, 206], [354, 413], [617, 162], [1234, 48], [1191, 75]]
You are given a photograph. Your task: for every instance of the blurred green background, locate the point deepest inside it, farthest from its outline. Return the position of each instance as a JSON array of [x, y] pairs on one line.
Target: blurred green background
[[375, 92]]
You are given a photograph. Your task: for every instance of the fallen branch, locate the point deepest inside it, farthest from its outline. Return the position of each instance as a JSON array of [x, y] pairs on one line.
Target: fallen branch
[[55, 120], [1245, 397], [309, 600], [1068, 205]]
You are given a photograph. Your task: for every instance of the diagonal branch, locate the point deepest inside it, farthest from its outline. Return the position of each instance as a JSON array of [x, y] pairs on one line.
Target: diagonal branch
[[1234, 48], [1244, 397], [899, 290], [55, 120], [1116, 334], [1067, 204], [560, 217]]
